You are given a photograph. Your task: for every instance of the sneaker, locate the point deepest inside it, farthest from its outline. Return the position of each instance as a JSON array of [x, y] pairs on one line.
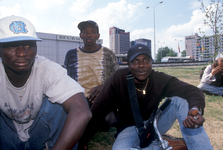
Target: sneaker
[[176, 143]]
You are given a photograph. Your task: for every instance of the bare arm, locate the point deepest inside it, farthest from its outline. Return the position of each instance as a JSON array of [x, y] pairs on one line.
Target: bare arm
[[77, 119]]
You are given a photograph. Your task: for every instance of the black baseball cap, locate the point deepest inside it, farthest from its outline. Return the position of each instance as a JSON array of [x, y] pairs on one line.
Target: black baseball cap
[[136, 50], [82, 24]]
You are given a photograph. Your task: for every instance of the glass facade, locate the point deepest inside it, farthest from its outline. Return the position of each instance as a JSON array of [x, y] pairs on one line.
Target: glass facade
[[119, 40]]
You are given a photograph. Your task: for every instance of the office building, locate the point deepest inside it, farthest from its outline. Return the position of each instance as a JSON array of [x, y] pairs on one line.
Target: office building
[[202, 48], [55, 46], [146, 42], [119, 40]]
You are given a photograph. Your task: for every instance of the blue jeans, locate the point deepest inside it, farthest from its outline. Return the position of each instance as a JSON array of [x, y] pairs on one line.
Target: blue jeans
[[196, 139], [211, 89], [44, 130]]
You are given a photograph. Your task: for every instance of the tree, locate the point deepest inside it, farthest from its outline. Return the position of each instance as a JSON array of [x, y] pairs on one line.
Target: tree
[[183, 53], [213, 19], [166, 51]]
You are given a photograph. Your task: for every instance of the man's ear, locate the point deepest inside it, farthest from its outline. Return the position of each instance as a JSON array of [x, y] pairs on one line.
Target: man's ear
[[98, 36], [0, 49], [80, 34]]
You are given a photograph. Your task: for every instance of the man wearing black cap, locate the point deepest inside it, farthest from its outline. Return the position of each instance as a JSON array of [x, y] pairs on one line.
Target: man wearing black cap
[[151, 87], [92, 64]]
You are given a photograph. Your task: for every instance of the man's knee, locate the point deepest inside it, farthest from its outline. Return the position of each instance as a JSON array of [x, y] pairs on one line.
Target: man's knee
[[178, 101]]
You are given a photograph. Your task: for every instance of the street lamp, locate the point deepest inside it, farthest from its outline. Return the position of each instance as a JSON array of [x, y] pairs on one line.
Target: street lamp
[[154, 29], [161, 49]]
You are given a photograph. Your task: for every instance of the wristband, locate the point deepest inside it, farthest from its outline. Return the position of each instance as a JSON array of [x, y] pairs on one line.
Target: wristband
[[199, 110], [196, 126]]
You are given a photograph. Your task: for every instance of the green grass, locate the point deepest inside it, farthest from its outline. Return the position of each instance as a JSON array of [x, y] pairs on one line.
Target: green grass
[[213, 112]]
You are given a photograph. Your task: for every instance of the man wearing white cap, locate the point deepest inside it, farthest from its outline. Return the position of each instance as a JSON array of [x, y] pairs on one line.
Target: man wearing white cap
[[212, 80], [37, 111]]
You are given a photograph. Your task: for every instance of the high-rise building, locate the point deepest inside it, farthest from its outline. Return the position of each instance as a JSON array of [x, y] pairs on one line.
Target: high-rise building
[[202, 48], [190, 45], [142, 41], [119, 40]]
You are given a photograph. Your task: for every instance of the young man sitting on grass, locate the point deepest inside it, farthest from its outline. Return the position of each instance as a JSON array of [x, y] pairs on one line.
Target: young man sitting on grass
[[150, 87], [212, 80]]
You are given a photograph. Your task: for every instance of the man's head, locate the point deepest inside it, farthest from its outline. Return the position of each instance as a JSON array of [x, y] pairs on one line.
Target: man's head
[[140, 62], [17, 43], [218, 61], [82, 25], [89, 32]]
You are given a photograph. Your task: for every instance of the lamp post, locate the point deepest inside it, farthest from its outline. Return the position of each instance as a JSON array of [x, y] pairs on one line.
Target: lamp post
[[154, 29], [161, 49]]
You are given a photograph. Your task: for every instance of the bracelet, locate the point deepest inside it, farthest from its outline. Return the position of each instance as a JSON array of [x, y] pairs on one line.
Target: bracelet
[[199, 110]]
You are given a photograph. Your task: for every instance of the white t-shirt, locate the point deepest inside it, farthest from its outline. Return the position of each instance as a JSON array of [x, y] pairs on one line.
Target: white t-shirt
[[47, 79], [206, 78]]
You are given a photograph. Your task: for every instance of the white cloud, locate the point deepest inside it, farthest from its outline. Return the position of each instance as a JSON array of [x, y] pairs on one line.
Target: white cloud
[[46, 4], [173, 32], [142, 33], [195, 5], [123, 14], [114, 14], [180, 31], [80, 6], [8, 11], [195, 23]]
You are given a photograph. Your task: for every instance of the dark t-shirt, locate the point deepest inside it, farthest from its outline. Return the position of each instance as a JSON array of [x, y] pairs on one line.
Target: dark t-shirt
[[160, 85]]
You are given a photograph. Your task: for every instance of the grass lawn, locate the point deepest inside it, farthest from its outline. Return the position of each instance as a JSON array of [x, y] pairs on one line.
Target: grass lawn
[[213, 112]]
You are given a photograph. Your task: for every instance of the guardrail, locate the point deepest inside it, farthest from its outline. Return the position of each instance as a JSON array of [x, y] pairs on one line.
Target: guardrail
[[168, 64]]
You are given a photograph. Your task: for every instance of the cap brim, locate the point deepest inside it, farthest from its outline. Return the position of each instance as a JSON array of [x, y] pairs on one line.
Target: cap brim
[[135, 55], [82, 24], [19, 38]]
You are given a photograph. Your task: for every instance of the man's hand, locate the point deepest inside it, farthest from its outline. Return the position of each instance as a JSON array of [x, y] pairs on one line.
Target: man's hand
[[194, 119], [216, 70], [94, 92]]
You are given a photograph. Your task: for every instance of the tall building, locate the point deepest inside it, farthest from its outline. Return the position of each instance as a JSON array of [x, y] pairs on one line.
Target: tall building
[[202, 48], [142, 41], [190, 45], [119, 40]]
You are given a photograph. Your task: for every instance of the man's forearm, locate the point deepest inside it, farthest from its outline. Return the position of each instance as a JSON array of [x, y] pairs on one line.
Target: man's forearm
[[77, 119], [72, 131]]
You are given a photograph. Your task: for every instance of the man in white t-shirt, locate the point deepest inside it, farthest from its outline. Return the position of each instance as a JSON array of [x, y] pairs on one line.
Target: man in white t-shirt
[[41, 106], [212, 79]]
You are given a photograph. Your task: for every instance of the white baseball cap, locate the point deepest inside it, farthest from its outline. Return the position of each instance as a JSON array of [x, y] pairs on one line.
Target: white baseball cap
[[15, 28]]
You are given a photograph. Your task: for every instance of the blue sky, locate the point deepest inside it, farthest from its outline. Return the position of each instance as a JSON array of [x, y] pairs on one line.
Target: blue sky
[[174, 19]]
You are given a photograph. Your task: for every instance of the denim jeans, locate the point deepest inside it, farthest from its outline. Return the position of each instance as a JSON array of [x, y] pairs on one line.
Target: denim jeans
[[196, 139], [211, 89], [44, 130]]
